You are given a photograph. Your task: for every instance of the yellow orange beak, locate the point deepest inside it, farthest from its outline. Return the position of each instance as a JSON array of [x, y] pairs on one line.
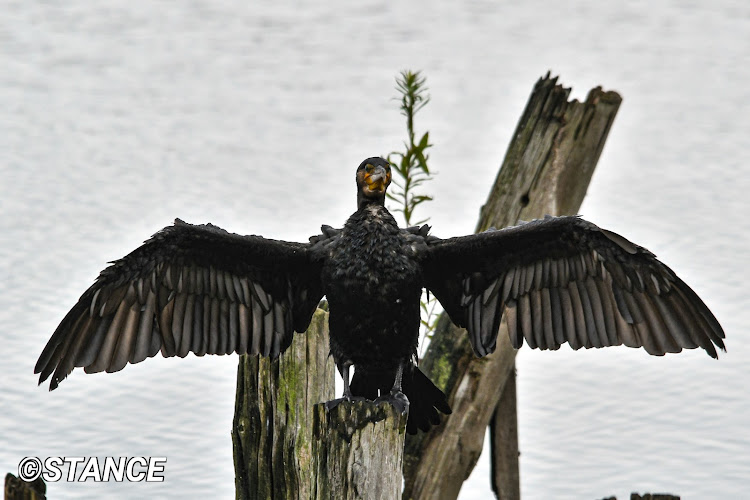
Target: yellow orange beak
[[377, 180]]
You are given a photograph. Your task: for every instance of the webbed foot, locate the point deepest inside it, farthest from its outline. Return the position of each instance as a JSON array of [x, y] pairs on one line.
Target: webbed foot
[[397, 399]]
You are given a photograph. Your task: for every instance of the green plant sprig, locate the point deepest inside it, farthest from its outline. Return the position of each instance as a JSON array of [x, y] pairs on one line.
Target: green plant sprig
[[411, 173], [411, 165]]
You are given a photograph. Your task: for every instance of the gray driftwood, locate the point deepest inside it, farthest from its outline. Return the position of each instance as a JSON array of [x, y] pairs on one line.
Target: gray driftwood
[[546, 170]]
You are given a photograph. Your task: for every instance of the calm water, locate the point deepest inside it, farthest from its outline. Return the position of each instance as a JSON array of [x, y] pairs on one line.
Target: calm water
[[117, 119]]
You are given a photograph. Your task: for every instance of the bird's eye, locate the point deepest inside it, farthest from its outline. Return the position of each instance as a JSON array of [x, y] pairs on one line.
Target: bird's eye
[[369, 167]]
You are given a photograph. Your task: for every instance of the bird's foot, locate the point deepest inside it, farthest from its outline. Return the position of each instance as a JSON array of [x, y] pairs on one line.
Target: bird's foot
[[330, 405], [397, 399]]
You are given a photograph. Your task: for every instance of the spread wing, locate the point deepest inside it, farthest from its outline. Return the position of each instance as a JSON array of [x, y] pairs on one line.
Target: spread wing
[[563, 279], [190, 288]]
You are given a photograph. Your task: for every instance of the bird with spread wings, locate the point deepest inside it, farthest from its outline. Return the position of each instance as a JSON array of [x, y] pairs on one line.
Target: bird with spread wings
[[200, 289]]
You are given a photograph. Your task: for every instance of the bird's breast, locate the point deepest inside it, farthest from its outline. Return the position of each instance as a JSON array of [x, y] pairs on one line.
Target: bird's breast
[[372, 267], [372, 263], [373, 284]]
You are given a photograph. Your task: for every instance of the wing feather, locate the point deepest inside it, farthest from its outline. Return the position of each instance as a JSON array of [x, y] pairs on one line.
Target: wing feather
[[92, 345], [579, 315], [597, 309], [224, 327], [508, 284], [557, 316], [569, 313], [608, 313], [476, 314], [626, 332], [592, 337], [178, 324], [234, 333], [267, 331], [279, 328], [104, 356], [537, 319], [563, 279], [489, 324], [546, 307], [145, 329], [244, 320], [692, 324], [511, 314], [257, 330], [69, 350], [213, 328], [188, 289], [127, 339], [524, 311]]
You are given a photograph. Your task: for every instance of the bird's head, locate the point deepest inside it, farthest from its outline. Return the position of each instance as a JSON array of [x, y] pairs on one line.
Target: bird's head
[[373, 178]]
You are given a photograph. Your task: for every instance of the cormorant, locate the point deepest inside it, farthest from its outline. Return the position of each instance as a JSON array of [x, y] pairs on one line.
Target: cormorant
[[199, 288]]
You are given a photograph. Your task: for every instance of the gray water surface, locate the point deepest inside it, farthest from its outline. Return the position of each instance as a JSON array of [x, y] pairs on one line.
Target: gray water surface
[[117, 118]]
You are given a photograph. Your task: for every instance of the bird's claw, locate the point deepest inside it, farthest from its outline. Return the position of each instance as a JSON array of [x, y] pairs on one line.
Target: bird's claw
[[397, 399], [330, 405]]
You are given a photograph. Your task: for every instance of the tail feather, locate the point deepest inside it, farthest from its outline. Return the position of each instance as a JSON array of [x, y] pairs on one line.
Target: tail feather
[[425, 399]]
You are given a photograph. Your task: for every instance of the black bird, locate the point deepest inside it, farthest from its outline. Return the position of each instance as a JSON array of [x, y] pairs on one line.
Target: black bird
[[200, 289]]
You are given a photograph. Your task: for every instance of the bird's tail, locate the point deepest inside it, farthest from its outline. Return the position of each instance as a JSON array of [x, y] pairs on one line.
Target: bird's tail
[[425, 399]]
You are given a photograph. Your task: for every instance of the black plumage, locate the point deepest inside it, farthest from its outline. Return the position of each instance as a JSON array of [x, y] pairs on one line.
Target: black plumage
[[201, 289]]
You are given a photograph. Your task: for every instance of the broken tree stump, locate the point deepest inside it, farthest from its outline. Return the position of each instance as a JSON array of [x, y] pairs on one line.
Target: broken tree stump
[[273, 417], [18, 489], [546, 170], [287, 446], [359, 450]]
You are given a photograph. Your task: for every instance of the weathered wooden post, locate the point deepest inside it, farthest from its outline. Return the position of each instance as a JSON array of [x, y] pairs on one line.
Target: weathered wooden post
[[546, 170], [359, 449], [505, 478], [272, 433], [288, 446], [18, 489]]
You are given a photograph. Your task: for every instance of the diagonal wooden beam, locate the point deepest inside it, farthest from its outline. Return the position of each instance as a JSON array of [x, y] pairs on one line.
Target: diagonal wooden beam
[[547, 170]]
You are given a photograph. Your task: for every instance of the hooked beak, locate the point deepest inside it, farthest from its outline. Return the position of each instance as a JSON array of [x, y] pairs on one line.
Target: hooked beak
[[377, 180]]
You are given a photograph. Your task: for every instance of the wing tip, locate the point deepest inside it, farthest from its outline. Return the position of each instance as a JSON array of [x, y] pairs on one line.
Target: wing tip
[[713, 353], [479, 350], [489, 349]]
